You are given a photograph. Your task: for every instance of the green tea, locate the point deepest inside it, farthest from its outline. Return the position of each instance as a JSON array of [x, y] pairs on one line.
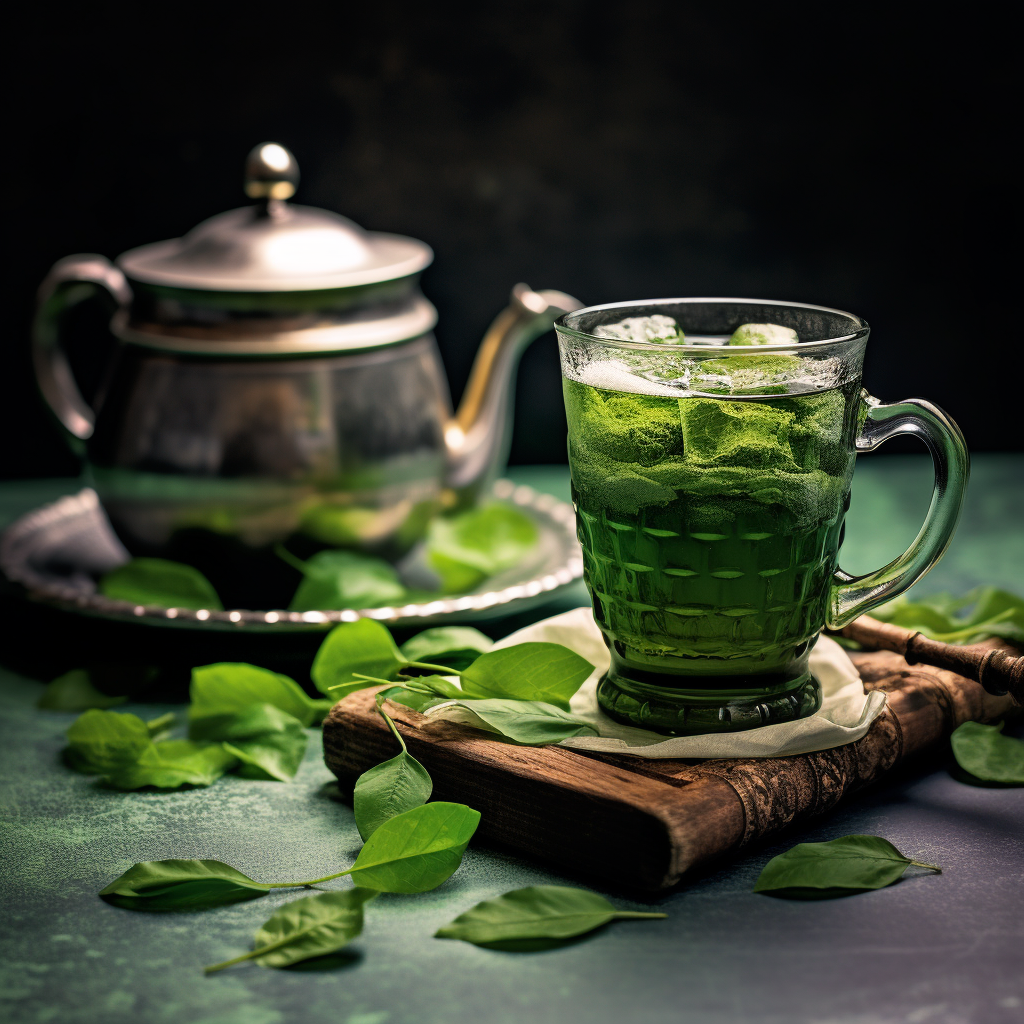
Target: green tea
[[710, 529]]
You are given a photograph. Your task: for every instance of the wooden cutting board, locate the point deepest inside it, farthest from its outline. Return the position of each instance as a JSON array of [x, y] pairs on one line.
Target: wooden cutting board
[[614, 816]]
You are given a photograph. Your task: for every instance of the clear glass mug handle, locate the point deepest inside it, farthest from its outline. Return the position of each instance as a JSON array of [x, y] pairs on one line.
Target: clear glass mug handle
[[851, 596]]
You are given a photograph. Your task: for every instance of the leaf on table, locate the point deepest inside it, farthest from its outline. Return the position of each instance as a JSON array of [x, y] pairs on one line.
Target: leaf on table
[[159, 582], [74, 691], [269, 742], [536, 912], [308, 927], [981, 613], [181, 885], [532, 671], [389, 789], [848, 864], [467, 548], [100, 742], [230, 687], [173, 763], [984, 752], [344, 579], [452, 646], [417, 850], [363, 647], [526, 722]]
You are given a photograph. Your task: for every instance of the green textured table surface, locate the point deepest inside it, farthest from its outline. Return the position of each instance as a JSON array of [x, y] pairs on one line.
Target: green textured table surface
[[939, 949]]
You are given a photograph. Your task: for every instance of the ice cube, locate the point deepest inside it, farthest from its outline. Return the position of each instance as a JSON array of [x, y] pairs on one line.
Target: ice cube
[[655, 328], [763, 334]]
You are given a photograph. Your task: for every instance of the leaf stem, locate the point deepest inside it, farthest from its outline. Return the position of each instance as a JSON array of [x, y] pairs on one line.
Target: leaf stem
[[391, 726], [248, 956], [161, 724], [441, 670], [306, 885], [930, 867], [286, 556]]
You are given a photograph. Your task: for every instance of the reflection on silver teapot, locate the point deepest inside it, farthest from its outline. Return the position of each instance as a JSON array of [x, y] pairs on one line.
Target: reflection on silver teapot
[[276, 379]]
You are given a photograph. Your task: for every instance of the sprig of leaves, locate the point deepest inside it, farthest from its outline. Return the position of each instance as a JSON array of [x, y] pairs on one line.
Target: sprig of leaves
[[836, 868], [980, 613], [538, 912], [984, 752]]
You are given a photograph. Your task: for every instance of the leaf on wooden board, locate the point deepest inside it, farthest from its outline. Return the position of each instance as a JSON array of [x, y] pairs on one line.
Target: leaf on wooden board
[[159, 582], [531, 671], [980, 613], [850, 863], [984, 752], [526, 722], [230, 687], [181, 885], [362, 647], [536, 912], [417, 850]]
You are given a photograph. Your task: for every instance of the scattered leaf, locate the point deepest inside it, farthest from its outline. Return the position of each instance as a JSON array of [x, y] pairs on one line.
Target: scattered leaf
[[417, 850], [452, 646], [74, 691], [174, 763], [526, 722], [229, 687], [103, 741], [362, 647], [532, 671], [269, 742], [307, 927], [159, 582], [987, 754], [850, 863], [536, 912], [181, 885]]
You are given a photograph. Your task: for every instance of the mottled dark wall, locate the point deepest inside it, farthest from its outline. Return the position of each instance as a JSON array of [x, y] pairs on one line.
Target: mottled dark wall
[[610, 150]]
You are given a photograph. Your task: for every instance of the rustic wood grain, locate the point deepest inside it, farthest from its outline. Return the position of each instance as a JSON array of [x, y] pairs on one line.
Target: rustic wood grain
[[616, 816]]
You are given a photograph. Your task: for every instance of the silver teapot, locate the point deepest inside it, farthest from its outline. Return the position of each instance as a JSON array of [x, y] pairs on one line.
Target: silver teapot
[[275, 379]]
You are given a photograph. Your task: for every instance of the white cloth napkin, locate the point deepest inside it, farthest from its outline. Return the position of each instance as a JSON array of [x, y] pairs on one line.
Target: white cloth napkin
[[845, 715]]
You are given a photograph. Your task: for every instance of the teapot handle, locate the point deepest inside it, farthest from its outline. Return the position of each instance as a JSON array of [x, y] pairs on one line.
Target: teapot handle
[[70, 281]]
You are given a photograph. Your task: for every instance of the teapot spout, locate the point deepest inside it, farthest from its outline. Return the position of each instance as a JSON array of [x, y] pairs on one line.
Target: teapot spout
[[478, 437]]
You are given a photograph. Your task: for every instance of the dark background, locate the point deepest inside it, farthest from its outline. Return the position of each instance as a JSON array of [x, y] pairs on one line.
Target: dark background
[[610, 150]]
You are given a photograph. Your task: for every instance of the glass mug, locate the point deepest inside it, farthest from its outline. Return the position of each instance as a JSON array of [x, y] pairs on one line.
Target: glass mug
[[710, 478]]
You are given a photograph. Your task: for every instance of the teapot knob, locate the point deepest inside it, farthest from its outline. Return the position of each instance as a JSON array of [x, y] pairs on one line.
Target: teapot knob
[[271, 172]]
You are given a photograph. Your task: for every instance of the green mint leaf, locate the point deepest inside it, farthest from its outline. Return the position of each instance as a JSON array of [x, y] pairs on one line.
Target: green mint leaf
[[850, 863], [74, 691], [343, 579], [532, 671], [269, 742], [157, 581], [363, 647], [387, 790], [452, 646], [987, 754], [174, 763], [536, 912], [229, 687], [417, 850], [181, 885], [308, 927], [466, 548], [981, 613], [100, 742], [526, 722]]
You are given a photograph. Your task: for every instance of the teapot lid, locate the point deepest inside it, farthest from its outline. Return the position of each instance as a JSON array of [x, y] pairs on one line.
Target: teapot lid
[[274, 246]]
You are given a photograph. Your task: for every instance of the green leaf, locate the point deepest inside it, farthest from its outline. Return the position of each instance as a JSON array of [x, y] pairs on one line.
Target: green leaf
[[389, 789], [417, 700], [74, 691], [343, 579], [157, 581], [269, 742], [983, 751], [466, 548], [417, 850], [174, 763], [526, 722], [452, 646], [849, 863], [536, 912], [364, 647], [228, 687], [308, 927], [181, 885], [981, 613], [532, 671], [104, 741]]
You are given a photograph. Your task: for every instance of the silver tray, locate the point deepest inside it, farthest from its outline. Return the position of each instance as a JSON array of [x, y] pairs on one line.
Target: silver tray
[[57, 551]]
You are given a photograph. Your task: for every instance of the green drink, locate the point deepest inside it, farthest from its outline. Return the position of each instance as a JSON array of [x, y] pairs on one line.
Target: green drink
[[710, 482]]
